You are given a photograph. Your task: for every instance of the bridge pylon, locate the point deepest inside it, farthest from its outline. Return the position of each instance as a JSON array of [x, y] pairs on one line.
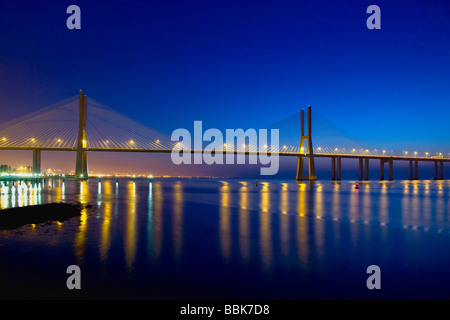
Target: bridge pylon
[[36, 161], [311, 167], [81, 171]]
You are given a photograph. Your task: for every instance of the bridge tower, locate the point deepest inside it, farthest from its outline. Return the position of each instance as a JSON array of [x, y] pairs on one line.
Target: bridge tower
[[81, 171], [36, 161], [311, 168]]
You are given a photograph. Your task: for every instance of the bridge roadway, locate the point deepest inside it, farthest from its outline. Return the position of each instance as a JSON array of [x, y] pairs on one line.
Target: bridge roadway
[[335, 159]]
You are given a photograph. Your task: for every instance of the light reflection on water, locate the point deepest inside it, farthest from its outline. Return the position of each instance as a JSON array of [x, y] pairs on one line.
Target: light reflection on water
[[266, 226]]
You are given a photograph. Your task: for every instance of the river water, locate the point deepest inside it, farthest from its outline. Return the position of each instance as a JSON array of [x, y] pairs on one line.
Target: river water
[[231, 239]]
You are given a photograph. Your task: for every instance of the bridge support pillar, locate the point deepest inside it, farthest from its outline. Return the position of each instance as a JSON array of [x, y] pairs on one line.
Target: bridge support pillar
[[391, 169], [311, 167], [333, 168], [338, 168], [36, 161], [410, 169], [441, 170], [360, 169], [416, 170], [366, 169], [381, 169], [435, 170], [81, 170]]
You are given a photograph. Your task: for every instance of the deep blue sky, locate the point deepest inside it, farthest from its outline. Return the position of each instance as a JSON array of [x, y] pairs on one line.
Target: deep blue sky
[[237, 63]]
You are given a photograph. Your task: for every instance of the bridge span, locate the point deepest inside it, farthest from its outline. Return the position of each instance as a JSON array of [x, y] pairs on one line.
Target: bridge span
[[336, 160], [305, 152]]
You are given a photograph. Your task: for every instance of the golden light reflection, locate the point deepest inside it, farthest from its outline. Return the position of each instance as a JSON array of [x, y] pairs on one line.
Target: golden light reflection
[[177, 226], [80, 237], [150, 218], [301, 204], [105, 240], [58, 194], [406, 212], [225, 215], [4, 199], [131, 235], [244, 228], [319, 223], [384, 205], [415, 203], [157, 219], [439, 210], [428, 209], [367, 210], [265, 241], [284, 222], [302, 227], [284, 201]]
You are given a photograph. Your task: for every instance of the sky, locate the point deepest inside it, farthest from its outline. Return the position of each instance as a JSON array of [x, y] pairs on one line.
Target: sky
[[238, 64]]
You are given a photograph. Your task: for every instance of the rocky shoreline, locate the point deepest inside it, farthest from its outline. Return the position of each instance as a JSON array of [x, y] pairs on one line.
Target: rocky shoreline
[[17, 217]]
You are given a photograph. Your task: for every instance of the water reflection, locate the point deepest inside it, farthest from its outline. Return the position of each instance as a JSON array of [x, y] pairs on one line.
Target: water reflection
[[284, 223], [130, 233], [268, 226], [157, 219], [80, 237], [105, 240], [265, 229], [224, 220], [150, 218], [244, 223], [177, 221]]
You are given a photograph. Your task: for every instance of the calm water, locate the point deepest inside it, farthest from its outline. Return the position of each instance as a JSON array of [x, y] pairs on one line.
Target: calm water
[[231, 239]]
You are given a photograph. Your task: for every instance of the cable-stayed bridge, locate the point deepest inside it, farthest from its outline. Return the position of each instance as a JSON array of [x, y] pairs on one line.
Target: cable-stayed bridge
[[85, 125]]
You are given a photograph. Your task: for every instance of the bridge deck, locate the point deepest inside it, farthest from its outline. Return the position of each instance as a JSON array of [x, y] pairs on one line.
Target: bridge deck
[[282, 154]]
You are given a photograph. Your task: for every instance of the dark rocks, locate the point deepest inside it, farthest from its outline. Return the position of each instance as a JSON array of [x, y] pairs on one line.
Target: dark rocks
[[16, 217]]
